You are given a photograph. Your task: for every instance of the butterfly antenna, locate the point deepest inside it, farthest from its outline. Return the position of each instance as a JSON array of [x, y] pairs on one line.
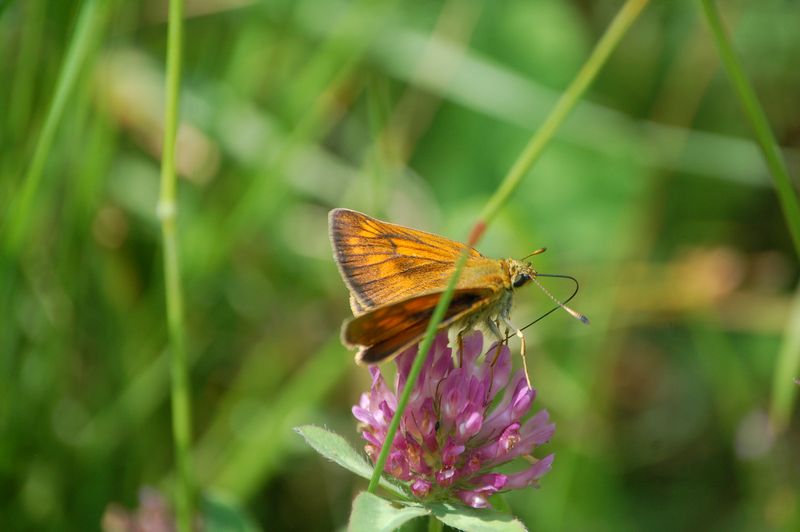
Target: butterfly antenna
[[571, 312], [535, 252], [576, 315]]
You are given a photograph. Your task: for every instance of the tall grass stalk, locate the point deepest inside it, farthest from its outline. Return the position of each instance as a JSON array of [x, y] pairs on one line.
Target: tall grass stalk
[[783, 387], [167, 212], [18, 213], [787, 195], [618, 28], [787, 369], [565, 104]]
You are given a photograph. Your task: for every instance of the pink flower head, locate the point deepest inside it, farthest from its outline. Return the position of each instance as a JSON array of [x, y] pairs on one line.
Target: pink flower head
[[460, 424]]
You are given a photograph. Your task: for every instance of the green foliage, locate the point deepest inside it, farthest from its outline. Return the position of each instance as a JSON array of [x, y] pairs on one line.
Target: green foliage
[[371, 512], [652, 193], [223, 515], [463, 518], [335, 448]]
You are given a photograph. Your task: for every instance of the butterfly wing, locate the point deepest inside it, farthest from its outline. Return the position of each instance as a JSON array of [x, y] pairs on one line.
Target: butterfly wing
[[386, 331], [382, 262]]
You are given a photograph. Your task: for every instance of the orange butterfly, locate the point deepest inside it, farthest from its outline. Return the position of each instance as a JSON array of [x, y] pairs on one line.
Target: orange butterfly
[[396, 275]]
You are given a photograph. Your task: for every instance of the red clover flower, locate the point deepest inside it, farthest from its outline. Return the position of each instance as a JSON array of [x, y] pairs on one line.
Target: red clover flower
[[462, 422]]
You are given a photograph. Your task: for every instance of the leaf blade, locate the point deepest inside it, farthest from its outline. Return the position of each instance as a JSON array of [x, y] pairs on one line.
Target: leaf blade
[[473, 520], [335, 448], [372, 513]]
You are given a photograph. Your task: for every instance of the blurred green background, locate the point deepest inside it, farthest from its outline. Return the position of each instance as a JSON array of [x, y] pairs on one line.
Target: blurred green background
[[652, 194]]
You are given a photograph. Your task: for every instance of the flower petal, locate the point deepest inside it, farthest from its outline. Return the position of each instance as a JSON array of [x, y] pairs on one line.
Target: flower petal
[[476, 499], [446, 476], [472, 347], [468, 424], [529, 476], [490, 482], [420, 487]]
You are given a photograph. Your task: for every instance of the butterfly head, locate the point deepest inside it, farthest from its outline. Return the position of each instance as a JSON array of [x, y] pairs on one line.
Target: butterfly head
[[520, 273]]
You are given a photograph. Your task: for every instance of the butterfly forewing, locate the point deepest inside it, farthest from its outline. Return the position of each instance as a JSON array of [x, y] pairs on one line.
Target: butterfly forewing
[[383, 263]]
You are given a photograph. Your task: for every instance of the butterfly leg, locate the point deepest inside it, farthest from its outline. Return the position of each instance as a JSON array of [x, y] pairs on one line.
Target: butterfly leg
[[521, 350], [460, 347], [494, 328]]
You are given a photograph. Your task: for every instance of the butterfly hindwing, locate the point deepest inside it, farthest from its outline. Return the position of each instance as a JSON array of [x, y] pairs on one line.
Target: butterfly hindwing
[[383, 332]]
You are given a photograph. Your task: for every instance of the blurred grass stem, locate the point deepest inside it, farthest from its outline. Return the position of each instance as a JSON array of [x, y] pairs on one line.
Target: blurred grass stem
[[167, 212], [613, 35], [87, 28], [758, 120], [784, 390], [565, 104], [18, 214], [783, 387]]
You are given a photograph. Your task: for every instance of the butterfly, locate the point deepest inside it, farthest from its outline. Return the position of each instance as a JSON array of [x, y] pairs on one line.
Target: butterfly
[[396, 276]]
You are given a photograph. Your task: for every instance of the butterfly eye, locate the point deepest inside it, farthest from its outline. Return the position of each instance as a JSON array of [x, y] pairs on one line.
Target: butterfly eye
[[521, 279]]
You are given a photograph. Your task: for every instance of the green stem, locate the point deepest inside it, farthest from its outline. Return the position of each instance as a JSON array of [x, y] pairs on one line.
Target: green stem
[[758, 120], [787, 368], [416, 367], [434, 525], [566, 103], [167, 212]]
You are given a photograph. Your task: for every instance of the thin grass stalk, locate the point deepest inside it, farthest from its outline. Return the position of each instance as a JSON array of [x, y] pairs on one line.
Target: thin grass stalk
[[783, 387], [167, 212], [416, 368], [787, 195], [618, 28], [17, 213], [787, 369], [87, 30], [22, 85], [565, 104]]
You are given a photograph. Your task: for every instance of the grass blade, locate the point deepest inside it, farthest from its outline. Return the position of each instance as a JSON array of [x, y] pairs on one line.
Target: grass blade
[[758, 120], [88, 27], [619, 26]]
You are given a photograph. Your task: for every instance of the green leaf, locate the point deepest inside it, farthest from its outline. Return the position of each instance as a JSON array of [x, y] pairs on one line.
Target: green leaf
[[335, 448], [474, 520], [222, 514], [372, 513]]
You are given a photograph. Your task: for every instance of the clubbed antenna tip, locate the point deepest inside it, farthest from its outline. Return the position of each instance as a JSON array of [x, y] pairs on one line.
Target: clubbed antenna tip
[[575, 314]]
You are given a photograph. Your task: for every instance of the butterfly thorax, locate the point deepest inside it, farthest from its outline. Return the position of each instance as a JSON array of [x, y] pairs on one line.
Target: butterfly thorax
[[515, 274]]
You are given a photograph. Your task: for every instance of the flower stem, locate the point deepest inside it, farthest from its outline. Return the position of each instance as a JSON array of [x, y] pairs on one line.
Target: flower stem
[[538, 142], [758, 120], [434, 525], [167, 212]]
